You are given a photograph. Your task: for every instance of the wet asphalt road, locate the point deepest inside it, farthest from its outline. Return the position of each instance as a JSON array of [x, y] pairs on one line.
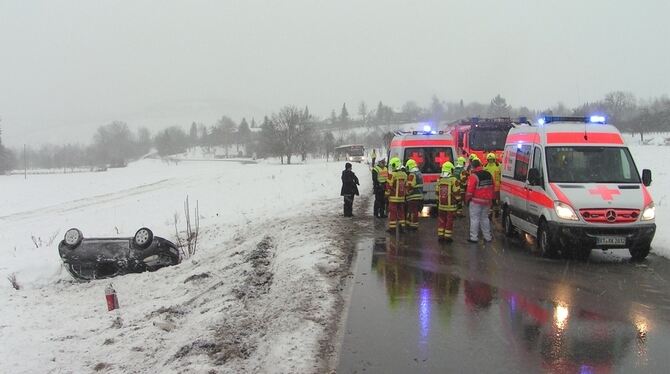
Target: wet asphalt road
[[422, 306]]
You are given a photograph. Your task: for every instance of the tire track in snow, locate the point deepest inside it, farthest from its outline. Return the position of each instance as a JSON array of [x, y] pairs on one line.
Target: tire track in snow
[[86, 202]]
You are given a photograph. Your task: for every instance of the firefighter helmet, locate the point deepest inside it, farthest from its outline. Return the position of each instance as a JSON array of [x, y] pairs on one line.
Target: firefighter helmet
[[395, 163], [460, 161], [447, 167], [410, 164], [473, 157], [491, 156]]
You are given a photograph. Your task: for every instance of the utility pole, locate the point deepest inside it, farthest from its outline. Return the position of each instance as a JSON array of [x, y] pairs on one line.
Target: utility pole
[[25, 163]]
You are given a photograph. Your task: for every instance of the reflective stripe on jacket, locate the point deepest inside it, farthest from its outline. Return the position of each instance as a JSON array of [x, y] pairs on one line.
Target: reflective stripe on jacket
[[382, 174], [397, 187], [480, 187], [448, 193], [415, 185]]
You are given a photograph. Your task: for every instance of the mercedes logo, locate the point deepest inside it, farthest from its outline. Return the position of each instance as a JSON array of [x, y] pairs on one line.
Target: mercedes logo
[[610, 215]]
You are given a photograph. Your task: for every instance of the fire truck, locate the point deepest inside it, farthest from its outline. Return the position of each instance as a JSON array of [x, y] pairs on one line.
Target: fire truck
[[430, 149], [482, 135]]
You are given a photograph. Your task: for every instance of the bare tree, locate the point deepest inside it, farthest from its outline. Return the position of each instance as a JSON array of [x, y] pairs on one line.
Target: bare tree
[[286, 124], [363, 111]]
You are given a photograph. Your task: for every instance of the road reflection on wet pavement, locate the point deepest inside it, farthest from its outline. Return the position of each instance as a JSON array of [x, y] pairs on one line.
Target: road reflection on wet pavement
[[422, 306]]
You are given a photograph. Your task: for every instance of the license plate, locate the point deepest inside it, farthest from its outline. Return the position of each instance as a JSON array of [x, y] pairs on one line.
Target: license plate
[[610, 240]]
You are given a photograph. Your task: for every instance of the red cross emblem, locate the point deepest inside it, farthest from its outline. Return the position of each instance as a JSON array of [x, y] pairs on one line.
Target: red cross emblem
[[604, 192], [441, 158], [416, 156]]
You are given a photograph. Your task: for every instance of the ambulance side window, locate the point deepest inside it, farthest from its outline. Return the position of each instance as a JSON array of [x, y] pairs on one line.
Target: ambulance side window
[[625, 165], [538, 163], [522, 161], [509, 159]]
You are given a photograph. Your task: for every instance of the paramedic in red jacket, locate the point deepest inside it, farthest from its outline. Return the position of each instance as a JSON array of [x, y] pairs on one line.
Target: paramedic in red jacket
[[478, 196]]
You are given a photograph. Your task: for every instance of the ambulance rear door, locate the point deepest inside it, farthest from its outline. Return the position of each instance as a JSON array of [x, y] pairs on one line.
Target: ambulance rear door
[[429, 160]]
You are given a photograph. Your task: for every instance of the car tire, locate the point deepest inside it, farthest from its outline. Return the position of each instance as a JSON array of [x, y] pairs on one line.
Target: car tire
[[143, 238], [545, 242], [73, 238], [639, 253], [508, 226]]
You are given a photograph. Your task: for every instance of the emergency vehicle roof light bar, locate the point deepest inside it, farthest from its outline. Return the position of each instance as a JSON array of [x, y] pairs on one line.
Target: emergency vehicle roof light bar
[[591, 119], [433, 132]]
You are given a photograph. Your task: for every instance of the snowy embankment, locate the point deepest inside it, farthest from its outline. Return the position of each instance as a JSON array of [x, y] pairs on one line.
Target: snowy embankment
[[261, 293], [652, 156]]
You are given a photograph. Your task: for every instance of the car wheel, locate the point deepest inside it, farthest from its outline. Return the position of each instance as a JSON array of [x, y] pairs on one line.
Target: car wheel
[[73, 238], [639, 253], [508, 226], [143, 237], [545, 242]]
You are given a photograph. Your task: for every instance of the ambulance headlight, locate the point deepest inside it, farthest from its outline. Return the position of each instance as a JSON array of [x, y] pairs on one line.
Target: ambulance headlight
[[648, 213], [565, 211]]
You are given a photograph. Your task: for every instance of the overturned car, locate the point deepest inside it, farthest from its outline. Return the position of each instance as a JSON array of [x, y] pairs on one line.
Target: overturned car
[[96, 258]]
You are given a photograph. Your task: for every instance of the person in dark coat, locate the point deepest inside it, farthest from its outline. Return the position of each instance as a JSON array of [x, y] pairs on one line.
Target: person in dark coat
[[349, 189]]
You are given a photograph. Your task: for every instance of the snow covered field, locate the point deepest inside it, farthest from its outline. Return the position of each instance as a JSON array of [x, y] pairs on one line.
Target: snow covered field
[[260, 294]]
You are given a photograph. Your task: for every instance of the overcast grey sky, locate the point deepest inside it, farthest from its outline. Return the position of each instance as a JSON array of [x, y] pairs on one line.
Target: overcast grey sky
[[67, 67]]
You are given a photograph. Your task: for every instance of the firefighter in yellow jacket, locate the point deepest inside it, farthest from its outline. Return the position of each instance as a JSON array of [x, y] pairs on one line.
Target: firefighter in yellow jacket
[[448, 198], [397, 188], [414, 194], [493, 167]]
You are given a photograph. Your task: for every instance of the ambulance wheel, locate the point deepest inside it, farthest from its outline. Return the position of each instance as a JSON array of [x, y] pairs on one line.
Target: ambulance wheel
[[545, 241], [639, 253], [508, 226]]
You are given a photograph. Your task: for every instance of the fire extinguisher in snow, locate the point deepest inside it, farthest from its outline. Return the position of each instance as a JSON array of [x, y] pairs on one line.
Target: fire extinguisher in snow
[[112, 300]]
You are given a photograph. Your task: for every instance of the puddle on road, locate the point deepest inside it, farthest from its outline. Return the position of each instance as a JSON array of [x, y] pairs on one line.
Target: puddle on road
[[430, 309]]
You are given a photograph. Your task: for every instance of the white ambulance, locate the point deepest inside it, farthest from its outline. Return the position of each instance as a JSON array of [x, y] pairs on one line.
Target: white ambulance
[[430, 149], [571, 183]]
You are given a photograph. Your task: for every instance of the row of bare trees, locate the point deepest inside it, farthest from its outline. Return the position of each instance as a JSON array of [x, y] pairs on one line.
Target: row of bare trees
[[294, 131]]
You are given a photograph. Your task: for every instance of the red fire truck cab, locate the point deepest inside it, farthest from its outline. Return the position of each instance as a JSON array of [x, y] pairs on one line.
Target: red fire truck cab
[[482, 135]]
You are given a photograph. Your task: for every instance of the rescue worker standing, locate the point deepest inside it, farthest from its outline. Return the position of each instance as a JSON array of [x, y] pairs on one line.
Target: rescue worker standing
[[349, 189], [448, 199], [379, 179], [459, 169], [478, 196], [373, 156], [493, 167], [396, 186], [414, 193], [465, 175]]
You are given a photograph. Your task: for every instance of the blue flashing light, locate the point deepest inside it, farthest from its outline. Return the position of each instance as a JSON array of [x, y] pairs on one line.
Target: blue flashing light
[[597, 119], [426, 128], [592, 119]]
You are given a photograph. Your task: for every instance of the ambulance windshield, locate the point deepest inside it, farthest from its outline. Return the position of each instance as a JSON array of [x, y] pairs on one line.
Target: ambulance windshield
[[591, 165], [488, 139], [429, 159]]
